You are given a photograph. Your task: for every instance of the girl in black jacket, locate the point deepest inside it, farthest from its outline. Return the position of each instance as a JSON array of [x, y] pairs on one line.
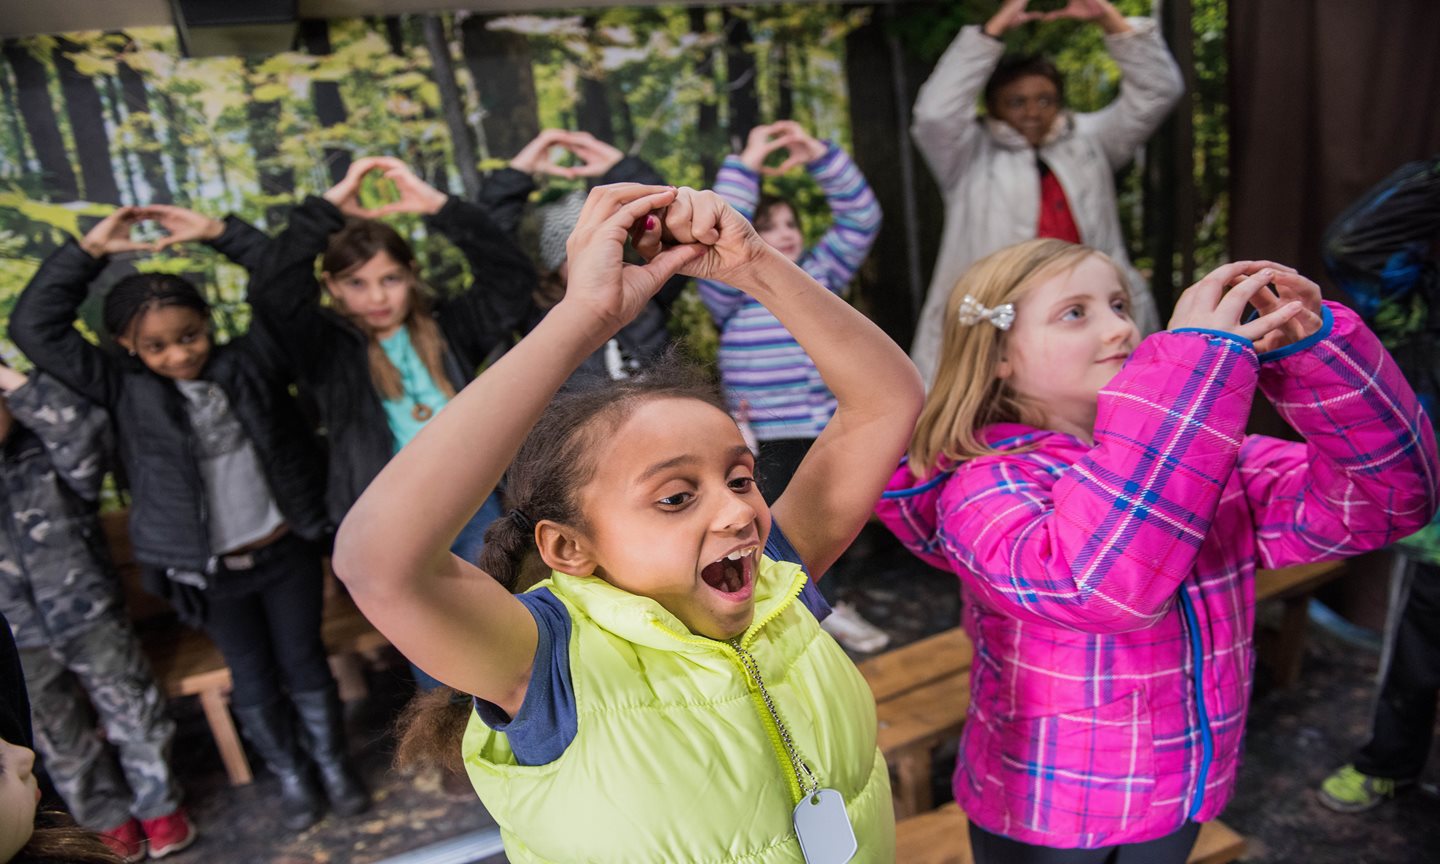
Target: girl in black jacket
[[381, 358], [225, 481]]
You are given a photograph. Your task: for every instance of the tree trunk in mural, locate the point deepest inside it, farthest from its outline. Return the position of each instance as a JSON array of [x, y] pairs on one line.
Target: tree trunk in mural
[[592, 112], [33, 96], [785, 101], [452, 105], [329, 107], [501, 68], [625, 128], [741, 72], [277, 179], [142, 123], [112, 96], [707, 121], [87, 122], [16, 132]]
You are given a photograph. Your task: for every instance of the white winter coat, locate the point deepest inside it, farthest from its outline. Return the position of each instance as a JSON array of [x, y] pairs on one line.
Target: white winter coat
[[988, 174]]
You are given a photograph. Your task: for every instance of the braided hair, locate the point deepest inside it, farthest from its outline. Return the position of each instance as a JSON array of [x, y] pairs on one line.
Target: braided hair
[[138, 293]]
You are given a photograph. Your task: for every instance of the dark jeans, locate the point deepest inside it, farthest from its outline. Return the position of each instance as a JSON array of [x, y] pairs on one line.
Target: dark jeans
[[266, 621], [1405, 710], [1174, 848]]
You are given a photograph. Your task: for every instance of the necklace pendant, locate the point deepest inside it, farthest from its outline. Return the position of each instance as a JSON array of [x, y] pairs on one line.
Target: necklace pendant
[[422, 412], [823, 828]]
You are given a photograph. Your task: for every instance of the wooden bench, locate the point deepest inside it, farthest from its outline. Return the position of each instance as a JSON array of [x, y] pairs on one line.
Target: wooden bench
[[943, 837], [922, 692], [187, 663], [1283, 650]]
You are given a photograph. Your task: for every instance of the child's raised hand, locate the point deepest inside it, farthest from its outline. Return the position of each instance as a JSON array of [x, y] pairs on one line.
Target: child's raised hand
[[601, 282], [1217, 302], [800, 146], [112, 234], [1011, 14], [726, 241], [182, 225], [534, 157], [345, 195], [1291, 287], [759, 144], [596, 157], [416, 196]]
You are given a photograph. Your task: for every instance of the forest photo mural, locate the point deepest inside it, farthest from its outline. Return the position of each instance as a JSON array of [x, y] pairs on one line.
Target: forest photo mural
[[100, 119]]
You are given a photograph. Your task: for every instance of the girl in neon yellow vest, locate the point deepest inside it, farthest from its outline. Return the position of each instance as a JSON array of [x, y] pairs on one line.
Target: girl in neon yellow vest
[[666, 694]]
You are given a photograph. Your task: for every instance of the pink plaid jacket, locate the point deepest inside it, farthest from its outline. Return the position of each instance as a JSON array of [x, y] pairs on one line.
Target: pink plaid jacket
[[1109, 590]]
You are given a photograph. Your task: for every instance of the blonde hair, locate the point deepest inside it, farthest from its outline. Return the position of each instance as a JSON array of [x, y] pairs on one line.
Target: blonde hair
[[967, 395]]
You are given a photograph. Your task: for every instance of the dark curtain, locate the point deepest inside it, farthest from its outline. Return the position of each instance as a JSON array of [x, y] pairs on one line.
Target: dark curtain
[[1327, 98]]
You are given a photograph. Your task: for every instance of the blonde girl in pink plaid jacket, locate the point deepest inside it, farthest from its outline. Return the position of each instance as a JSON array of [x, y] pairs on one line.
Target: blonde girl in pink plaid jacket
[[1105, 511]]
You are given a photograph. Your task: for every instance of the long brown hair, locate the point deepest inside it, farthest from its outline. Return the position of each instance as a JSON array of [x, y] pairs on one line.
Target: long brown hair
[[967, 395], [352, 246], [58, 840], [543, 482]]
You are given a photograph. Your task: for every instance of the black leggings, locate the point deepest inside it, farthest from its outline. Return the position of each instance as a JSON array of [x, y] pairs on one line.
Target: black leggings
[[1171, 849], [269, 629], [1404, 723]]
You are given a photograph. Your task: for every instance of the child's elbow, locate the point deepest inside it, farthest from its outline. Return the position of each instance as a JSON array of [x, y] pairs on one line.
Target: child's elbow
[[351, 561]]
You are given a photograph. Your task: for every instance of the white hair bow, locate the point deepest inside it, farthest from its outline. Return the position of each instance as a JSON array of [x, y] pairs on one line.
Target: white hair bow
[[973, 312]]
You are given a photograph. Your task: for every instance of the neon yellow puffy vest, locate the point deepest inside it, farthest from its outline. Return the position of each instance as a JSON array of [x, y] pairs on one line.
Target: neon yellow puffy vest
[[675, 758]]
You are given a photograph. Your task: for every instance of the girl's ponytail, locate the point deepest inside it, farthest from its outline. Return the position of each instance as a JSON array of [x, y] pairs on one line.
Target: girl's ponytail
[[509, 541], [430, 729]]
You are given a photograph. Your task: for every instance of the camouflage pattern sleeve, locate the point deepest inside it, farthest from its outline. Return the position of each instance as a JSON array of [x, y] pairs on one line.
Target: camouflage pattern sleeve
[[76, 433]]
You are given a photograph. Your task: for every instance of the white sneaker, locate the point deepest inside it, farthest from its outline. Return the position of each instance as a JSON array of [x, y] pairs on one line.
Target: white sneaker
[[854, 632]]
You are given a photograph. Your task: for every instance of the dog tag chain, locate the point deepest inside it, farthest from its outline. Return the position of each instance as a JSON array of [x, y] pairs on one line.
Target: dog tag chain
[[821, 823]]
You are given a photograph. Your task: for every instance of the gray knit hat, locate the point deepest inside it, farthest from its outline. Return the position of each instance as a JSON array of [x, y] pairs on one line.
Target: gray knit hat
[[557, 220]]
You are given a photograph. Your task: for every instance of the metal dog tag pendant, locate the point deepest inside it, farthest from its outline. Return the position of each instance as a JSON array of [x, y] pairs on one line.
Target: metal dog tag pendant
[[824, 829]]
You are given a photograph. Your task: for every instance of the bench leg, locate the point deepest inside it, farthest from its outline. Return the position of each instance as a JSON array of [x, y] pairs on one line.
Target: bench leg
[[227, 739], [349, 674], [912, 784], [1289, 646]]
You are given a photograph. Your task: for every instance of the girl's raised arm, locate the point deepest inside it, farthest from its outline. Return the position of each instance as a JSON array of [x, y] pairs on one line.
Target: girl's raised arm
[[447, 615], [877, 387]]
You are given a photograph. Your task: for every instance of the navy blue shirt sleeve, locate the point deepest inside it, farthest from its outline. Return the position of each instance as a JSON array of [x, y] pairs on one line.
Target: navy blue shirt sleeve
[[546, 722], [778, 548]]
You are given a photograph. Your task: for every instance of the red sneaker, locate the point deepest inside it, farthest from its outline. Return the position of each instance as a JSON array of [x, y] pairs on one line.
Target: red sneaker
[[127, 840], [169, 833]]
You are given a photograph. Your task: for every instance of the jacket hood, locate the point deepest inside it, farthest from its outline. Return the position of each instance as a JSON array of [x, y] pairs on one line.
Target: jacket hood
[[910, 505]]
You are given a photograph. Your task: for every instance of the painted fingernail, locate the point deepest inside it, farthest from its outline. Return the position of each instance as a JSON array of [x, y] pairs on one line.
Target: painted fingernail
[[649, 223]]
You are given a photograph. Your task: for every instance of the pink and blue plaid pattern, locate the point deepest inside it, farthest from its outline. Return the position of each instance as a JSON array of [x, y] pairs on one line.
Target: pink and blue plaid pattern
[[1109, 590], [760, 362]]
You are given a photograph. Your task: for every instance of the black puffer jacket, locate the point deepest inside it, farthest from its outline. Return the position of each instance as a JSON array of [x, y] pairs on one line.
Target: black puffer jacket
[[328, 353], [168, 516], [505, 194]]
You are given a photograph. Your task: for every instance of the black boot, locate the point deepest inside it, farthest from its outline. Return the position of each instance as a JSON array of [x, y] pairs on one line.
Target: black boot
[[271, 730], [324, 720]]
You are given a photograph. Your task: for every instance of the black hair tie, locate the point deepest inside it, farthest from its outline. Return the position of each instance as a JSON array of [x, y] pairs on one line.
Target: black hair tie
[[522, 520]]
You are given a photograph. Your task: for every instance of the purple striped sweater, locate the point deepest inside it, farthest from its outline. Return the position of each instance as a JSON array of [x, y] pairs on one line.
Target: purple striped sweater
[[760, 363], [1109, 590]]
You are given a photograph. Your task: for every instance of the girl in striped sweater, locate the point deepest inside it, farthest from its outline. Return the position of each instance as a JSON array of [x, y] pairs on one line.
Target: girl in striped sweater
[[1105, 511], [768, 379]]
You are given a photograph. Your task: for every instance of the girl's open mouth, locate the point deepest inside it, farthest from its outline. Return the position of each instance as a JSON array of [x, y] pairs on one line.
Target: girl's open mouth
[[732, 575]]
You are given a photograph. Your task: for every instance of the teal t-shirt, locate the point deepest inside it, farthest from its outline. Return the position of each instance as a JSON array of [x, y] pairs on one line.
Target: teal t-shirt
[[407, 413]]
